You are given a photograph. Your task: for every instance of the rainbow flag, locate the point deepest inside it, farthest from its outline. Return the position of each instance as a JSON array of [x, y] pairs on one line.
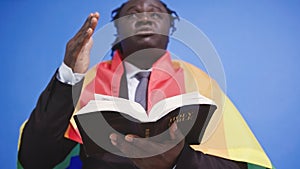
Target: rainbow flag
[[227, 134]]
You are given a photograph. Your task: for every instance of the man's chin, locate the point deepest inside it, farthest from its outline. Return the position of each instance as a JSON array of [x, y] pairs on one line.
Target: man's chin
[[139, 42]]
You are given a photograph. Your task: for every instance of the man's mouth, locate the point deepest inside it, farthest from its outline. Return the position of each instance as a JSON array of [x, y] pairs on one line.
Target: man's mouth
[[145, 31]]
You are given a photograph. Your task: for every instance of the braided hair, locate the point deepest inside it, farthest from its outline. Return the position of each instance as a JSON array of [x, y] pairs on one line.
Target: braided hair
[[115, 14]]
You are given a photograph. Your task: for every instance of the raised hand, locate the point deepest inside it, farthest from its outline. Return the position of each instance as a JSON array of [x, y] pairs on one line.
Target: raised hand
[[148, 154], [77, 55]]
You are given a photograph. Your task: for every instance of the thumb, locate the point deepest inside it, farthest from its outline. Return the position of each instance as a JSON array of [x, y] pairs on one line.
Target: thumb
[[175, 133], [88, 46]]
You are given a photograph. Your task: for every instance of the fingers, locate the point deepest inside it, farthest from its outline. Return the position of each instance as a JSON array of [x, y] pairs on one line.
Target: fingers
[[113, 138], [88, 28], [136, 147], [125, 147], [117, 140], [172, 131], [157, 146], [78, 48], [90, 22], [175, 134], [149, 146], [94, 20]]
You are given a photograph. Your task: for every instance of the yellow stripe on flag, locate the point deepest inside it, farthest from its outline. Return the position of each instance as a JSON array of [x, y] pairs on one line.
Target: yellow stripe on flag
[[227, 134]]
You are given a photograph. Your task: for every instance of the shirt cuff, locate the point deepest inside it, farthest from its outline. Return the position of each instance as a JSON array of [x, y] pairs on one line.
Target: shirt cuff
[[67, 76]]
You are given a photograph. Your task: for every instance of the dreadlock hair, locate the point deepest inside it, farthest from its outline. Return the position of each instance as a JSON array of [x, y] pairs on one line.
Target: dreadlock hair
[[115, 14]]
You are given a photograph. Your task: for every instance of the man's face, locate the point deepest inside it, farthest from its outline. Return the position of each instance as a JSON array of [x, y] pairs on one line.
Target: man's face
[[145, 24]]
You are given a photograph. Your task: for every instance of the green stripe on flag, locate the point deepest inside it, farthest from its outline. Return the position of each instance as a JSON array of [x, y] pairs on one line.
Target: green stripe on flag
[[19, 165], [253, 166], [66, 162]]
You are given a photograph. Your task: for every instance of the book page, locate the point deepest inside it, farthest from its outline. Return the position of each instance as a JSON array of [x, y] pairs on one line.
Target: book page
[[135, 110]]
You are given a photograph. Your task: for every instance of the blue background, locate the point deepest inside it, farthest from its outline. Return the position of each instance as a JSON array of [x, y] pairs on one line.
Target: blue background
[[257, 41]]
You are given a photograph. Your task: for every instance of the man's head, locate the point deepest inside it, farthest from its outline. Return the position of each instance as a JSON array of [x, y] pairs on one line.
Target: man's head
[[142, 24]]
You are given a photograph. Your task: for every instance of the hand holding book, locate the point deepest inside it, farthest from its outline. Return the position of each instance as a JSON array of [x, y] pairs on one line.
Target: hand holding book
[[107, 114], [145, 152]]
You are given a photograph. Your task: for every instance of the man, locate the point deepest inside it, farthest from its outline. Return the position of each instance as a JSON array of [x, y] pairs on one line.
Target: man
[[140, 46]]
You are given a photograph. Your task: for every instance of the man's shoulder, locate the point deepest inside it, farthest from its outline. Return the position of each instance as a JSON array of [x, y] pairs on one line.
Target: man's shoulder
[[190, 68]]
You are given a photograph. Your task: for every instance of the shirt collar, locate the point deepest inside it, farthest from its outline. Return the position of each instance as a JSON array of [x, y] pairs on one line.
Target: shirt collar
[[132, 70]]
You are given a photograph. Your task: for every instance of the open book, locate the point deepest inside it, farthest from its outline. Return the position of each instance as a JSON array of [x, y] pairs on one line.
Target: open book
[[108, 114]]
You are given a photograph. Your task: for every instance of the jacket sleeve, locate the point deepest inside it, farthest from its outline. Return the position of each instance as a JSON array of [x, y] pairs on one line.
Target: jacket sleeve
[[190, 158], [42, 143]]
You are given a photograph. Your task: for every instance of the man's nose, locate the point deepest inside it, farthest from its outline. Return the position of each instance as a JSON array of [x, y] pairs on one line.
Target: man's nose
[[143, 22], [144, 19], [145, 16]]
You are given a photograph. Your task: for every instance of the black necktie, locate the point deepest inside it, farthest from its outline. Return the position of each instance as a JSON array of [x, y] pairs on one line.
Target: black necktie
[[141, 90]]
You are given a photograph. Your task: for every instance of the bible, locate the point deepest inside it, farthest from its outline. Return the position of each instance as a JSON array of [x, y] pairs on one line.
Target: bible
[[108, 114]]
